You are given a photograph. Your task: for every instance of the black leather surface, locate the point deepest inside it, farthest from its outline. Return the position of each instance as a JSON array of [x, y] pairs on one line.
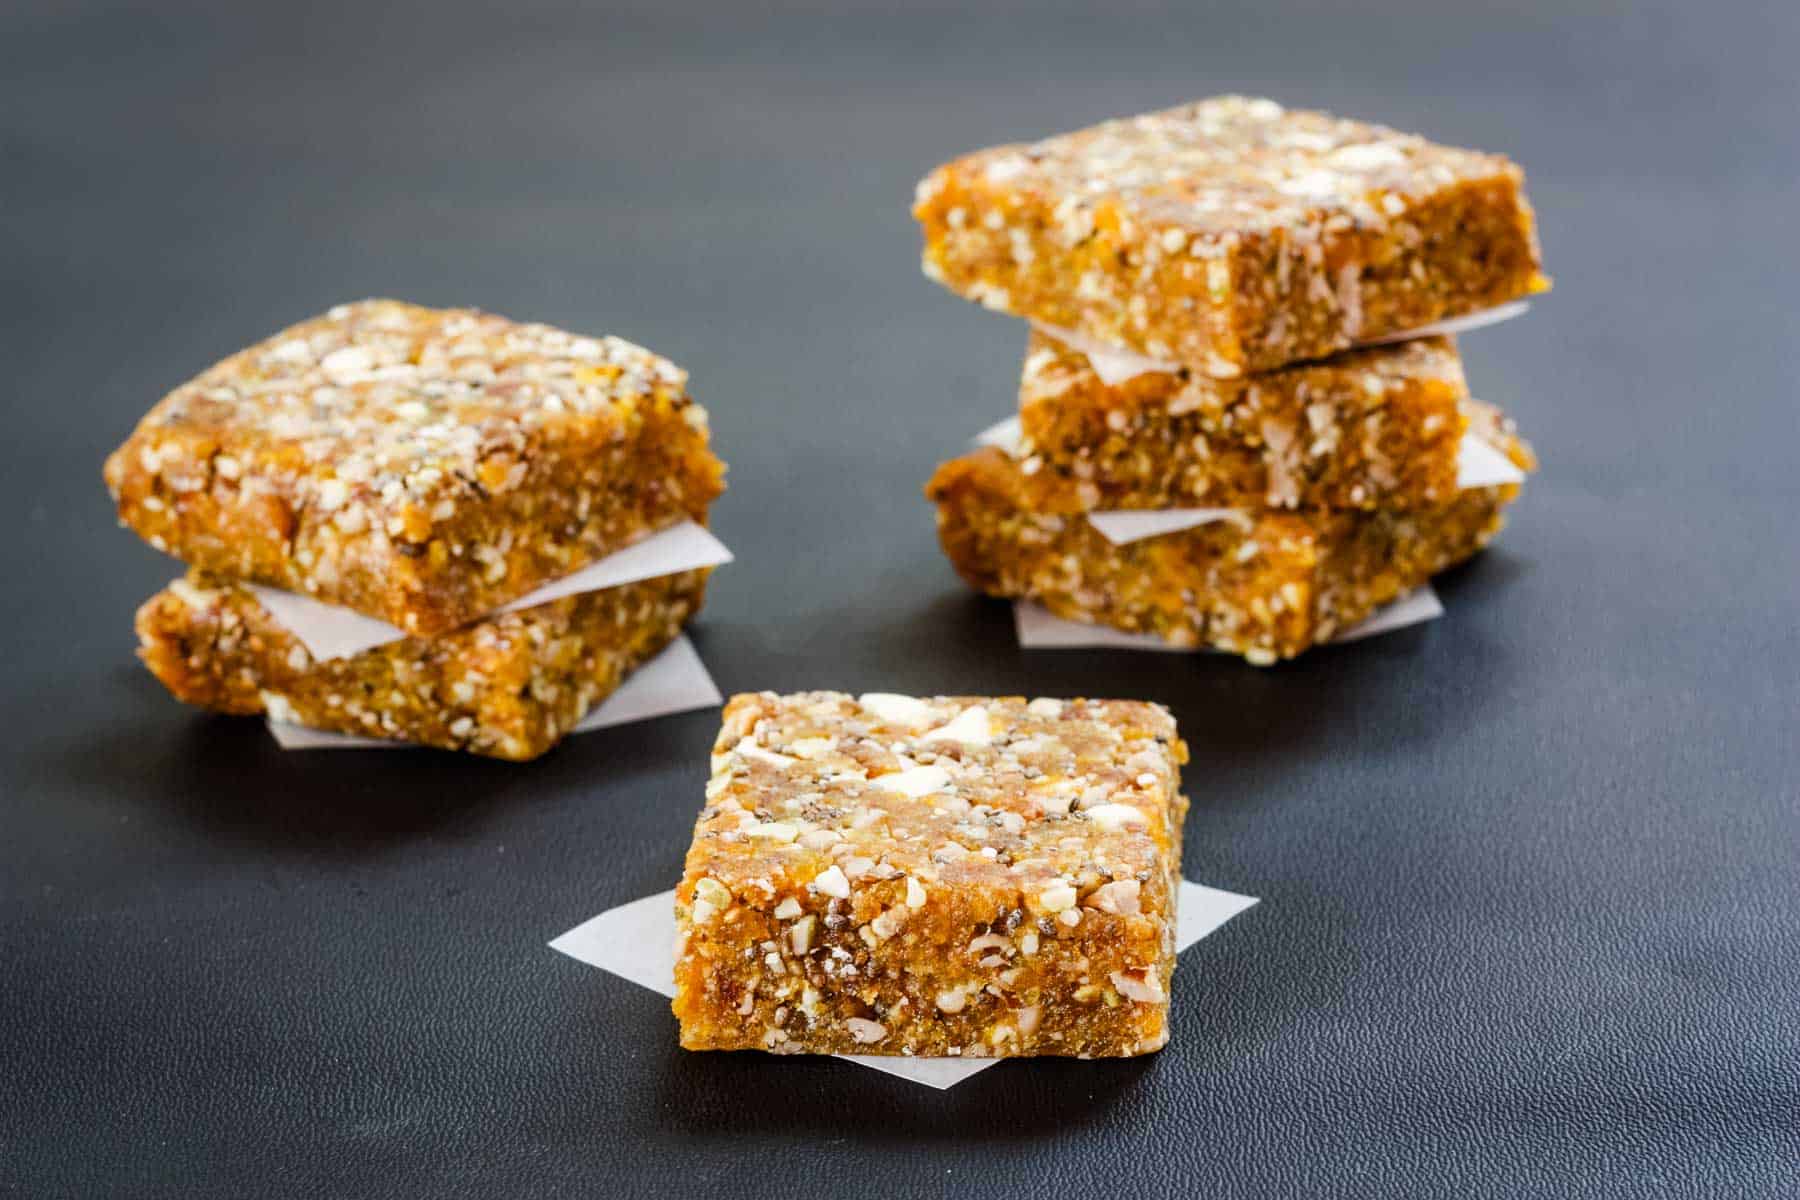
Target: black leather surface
[[1530, 921]]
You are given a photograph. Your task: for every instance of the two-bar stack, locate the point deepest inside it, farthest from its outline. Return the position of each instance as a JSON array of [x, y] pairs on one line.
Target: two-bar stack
[[1236, 430], [444, 478]]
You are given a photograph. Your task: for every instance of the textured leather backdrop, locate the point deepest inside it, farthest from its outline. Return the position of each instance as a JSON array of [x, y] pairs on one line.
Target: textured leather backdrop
[[1530, 921]]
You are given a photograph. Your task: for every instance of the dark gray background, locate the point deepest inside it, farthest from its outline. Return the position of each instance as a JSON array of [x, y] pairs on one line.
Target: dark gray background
[[1529, 872]]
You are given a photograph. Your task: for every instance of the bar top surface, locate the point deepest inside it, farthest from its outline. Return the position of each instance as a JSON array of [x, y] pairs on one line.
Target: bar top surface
[[1236, 164]]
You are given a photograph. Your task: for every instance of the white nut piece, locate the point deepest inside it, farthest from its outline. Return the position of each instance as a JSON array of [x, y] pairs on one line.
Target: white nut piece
[[989, 941], [831, 882], [865, 1031], [915, 893], [907, 711], [915, 781], [1120, 897], [1098, 794], [1115, 818], [888, 923], [747, 748], [801, 935], [1057, 897], [774, 831], [788, 909], [970, 727], [1138, 984], [710, 898], [347, 360], [330, 495], [952, 1000]]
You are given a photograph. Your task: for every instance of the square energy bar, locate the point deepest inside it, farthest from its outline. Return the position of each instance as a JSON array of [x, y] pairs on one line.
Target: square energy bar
[[422, 466], [507, 687], [1376, 428], [1231, 234], [1263, 584], [952, 876]]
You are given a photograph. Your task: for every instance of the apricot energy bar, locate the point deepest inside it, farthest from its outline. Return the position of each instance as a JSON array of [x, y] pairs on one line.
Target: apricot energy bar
[[1264, 584], [422, 466], [509, 686], [1376, 428], [1231, 234], [947, 876]]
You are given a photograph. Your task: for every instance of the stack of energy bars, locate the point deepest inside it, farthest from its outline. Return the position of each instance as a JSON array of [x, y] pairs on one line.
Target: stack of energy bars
[[1241, 426], [448, 494]]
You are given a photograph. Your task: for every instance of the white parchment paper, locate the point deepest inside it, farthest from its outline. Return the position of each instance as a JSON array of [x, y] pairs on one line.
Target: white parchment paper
[[1115, 366], [1480, 465], [328, 631], [1477, 465], [1122, 526], [1007, 435], [1455, 325], [675, 681], [1040, 629], [636, 941]]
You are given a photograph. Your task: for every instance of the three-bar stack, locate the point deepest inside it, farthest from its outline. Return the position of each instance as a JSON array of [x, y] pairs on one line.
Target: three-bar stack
[[1241, 425]]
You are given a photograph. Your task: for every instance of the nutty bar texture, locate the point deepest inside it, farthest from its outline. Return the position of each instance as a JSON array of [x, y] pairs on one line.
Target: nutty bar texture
[[506, 687], [1375, 428], [1265, 584], [422, 466], [1231, 234], [948, 876]]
